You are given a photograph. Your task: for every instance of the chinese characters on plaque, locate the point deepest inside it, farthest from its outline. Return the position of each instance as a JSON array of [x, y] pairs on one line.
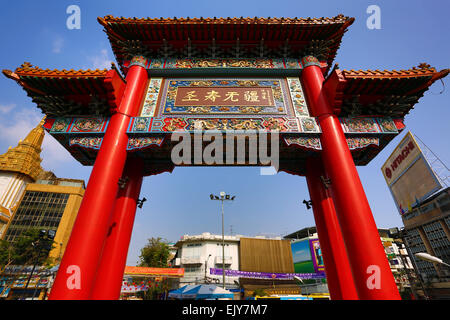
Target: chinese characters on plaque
[[224, 96]]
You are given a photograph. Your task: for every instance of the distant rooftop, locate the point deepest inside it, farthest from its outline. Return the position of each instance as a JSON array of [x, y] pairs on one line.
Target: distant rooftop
[[215, 237], [63, 182], [302, 233]]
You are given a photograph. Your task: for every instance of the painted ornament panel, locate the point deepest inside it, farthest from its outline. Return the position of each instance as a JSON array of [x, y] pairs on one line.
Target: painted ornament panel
[[298, 98], [151, 98], [229, 63], [225, 98]]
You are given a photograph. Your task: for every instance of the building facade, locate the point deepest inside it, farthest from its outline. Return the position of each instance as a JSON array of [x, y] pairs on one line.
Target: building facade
[[401, 264], [49, 205], [197, 253], [250, 263], [427, 230], [18, 167]]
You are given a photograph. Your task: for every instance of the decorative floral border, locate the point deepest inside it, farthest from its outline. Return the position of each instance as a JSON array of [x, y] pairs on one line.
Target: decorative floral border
[[314, 142], [297, 96], [61, 125], [362, 142], [229, 63], [144, 142], [170, 124], [87, 142], [151, 97], [305, 142], [360, 125], [87, 125], [387, 125]]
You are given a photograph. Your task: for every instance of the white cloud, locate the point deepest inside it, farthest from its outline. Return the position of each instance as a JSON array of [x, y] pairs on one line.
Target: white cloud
[[57, 44], [16, 125], [100, 61], [6, 108]]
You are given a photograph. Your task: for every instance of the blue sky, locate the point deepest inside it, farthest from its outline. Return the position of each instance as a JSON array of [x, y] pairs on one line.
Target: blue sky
[[178, 203]]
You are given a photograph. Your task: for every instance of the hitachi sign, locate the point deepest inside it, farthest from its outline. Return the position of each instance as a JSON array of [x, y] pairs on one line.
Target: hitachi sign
[[399, 159], [402, 156]]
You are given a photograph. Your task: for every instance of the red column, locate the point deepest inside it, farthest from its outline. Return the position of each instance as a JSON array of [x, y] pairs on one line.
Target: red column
[[108, 281], [370, 268], [76, 274], [337, 267]]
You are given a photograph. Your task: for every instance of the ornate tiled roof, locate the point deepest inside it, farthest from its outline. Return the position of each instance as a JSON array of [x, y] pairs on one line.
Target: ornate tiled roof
[[234, 20], [225, 37], [423, 70], [70, 92], [374, 92], [27, 69]]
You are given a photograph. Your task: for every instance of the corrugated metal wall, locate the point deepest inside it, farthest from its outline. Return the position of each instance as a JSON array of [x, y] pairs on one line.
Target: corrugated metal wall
[[264, 255]]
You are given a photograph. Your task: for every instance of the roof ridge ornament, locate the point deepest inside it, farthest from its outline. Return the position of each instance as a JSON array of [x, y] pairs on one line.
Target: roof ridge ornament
[[424, 65]]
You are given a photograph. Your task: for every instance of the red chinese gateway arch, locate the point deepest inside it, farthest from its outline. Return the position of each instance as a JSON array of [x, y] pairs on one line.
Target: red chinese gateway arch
[[329, 120]]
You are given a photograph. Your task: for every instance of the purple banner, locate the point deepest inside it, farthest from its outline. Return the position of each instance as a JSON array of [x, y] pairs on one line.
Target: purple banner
[[266, 275]]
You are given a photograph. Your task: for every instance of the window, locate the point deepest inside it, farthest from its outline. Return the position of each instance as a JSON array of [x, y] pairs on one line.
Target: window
[[192, 269], [37, 209], [192, 250], [394, 262]]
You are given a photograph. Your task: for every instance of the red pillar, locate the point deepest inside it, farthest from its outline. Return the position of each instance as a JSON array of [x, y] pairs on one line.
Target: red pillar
[[108, 281], [337, 267], [76, 274], [370, 268]]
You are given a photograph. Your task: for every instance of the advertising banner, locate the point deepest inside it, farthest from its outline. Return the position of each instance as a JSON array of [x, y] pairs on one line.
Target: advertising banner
[[266, 275], [162, 272], [307, 256], [408, 175]]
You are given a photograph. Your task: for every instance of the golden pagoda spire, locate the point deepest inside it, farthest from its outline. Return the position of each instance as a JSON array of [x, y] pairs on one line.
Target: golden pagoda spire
[[36, 136], [25, 158]]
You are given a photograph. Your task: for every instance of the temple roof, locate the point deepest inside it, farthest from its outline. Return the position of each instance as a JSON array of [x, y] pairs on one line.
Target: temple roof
[[390, 93], [70, 92], [25, 157], [225, 37]]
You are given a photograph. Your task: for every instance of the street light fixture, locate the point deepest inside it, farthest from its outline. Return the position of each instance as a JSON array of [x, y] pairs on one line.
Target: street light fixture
[[223, 197], [430, 258], [299, 279], [140, 202]]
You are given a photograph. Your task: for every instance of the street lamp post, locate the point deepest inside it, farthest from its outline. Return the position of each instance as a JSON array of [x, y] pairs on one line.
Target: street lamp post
[[206, 265], [223, 197]]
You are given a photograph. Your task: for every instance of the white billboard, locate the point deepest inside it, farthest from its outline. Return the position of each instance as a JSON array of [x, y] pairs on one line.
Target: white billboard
[[408, 175]]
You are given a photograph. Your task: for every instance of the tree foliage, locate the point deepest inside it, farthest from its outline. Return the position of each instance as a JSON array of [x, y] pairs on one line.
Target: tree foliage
[[30, 248], [155, 254], [259, 292]]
